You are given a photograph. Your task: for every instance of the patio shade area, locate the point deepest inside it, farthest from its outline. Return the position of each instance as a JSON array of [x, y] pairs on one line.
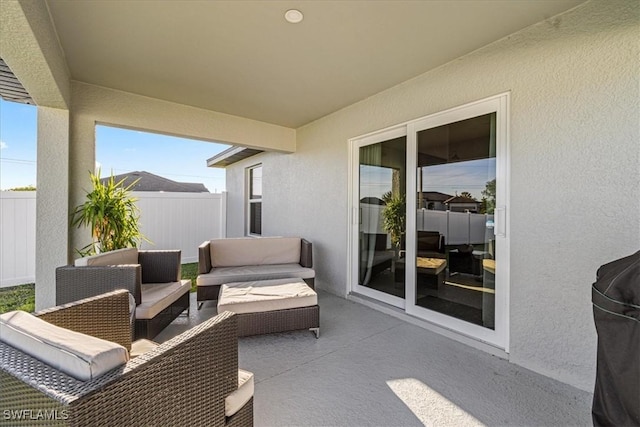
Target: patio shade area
[[369, 368]]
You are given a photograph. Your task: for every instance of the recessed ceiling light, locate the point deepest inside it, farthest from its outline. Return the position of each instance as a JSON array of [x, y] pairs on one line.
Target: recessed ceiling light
[[293, 16]]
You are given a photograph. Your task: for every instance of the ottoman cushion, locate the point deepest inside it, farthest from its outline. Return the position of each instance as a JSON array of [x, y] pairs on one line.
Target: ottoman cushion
[[265, 295]]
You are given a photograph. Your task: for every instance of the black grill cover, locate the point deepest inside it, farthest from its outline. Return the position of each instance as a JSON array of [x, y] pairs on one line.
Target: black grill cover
[[616, 312]]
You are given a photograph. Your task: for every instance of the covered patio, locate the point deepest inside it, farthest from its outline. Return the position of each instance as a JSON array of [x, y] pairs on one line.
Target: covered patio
[[294, 101], [371, 369]]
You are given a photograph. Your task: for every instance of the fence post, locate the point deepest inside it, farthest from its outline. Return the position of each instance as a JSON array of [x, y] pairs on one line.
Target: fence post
[[223, 215]]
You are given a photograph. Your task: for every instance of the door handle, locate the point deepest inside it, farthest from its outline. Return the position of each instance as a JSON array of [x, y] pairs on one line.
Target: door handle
[[500, 220]]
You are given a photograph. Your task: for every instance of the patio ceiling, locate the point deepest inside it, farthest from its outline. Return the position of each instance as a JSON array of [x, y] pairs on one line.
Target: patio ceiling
[[243, 58]]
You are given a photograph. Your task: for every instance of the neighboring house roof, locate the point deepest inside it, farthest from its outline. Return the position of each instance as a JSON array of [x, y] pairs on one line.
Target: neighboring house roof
[[460, 199], [435, 196], [372, 201], [150, 182]]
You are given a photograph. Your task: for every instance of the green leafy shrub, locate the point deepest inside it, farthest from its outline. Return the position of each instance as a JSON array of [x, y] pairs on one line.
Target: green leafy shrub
[[394, 217], [111, 214]]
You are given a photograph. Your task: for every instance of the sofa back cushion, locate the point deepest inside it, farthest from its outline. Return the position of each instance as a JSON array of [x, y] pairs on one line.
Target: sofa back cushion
[[117, 257], [255, 251], [79, 355]]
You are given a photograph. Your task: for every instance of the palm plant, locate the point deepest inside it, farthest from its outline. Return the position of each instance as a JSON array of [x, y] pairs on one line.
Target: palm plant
[[394, 217], [111, 214]]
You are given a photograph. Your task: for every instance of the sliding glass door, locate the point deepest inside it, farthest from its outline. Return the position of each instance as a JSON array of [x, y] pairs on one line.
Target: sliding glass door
[[457, 220], [429, 229], [381, 210], [456, 198]]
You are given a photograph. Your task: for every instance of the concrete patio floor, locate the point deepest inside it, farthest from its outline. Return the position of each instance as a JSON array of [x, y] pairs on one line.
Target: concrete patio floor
[[371, 369]]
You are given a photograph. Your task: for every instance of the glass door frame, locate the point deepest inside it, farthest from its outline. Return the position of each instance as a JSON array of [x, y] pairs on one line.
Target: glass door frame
[[354, 197], [499, 337], [499, 105]]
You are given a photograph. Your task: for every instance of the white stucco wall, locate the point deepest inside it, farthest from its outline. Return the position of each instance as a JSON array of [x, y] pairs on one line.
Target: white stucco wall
[[575, 174]]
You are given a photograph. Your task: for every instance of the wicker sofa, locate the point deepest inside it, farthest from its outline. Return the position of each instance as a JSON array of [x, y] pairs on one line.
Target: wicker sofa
[[162, 387], [245, 259], [152, 277]]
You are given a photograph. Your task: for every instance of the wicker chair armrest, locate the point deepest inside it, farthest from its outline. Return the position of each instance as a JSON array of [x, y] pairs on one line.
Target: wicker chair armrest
[[306, 254], [160, 266], [204, 257], [74, 283], [104, 316], [184, 381]]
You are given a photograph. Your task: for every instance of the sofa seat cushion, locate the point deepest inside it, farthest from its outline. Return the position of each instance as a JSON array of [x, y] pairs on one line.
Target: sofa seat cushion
[[236, 400], [255, 251], [247, 273], [158, 296], [265, 295], [117, 257], [79, 355]]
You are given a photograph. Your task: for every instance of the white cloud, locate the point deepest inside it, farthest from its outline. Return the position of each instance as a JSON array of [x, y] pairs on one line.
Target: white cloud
[[3, 145]]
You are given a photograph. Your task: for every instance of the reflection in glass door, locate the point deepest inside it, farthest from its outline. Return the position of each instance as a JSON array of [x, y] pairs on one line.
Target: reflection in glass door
[[382, 218], [429, 230], [456, 199]]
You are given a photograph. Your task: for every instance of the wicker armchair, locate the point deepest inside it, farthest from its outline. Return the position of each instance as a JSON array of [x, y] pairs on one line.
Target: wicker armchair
[[183, 381], [152, 267]]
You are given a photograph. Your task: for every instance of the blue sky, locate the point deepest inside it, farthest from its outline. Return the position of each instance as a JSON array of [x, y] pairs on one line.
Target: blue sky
[[448, 178], [118, 150], [17, 145]]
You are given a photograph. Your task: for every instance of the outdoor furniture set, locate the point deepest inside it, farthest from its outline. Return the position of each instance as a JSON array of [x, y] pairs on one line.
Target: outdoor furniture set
[[70, 365], [152, 277], [268, 282], [77, 364]]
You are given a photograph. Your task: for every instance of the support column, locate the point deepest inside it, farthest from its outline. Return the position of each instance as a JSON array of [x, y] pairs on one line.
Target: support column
[[82, 161], [52, 201]]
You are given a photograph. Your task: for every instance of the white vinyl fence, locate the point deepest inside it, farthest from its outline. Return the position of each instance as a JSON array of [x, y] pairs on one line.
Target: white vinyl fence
[[169, 220], [17, 237], [181, 220], [457, 227]]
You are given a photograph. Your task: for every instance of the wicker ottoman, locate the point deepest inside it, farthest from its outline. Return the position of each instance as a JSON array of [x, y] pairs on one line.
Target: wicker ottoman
[[269, 306]]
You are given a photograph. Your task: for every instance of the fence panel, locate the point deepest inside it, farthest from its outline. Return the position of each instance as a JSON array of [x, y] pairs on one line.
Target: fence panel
[[170, 220], [456, 227], [17, 237], [181, 220]]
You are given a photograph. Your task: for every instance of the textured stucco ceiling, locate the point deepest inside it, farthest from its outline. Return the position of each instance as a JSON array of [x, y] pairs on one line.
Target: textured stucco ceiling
[[243, 58]]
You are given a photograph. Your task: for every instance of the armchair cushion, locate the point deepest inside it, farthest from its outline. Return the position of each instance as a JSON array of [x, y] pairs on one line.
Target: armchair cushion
[[117, 257], [79, 355], [236, 400], [158, 296]]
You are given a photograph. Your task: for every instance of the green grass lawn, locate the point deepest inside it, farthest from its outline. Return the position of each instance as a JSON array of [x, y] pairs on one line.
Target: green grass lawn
[[190, 271], [23, 297]]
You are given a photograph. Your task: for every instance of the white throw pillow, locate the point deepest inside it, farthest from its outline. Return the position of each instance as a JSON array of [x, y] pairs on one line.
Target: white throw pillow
[[79, 355]]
